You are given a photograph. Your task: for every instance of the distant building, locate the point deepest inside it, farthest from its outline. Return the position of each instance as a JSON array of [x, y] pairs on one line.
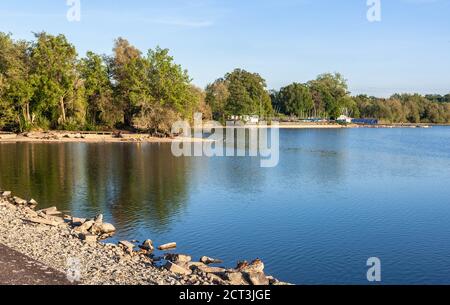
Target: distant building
[[344, 119], [250, 119]]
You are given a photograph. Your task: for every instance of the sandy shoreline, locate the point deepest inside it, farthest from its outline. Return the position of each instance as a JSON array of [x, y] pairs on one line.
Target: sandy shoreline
[[108, 137]]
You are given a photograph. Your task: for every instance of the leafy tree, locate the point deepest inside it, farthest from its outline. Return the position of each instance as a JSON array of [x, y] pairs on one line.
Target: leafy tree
[[217, 95], [328, 91], [128, 73], [295, 99], [15, 87], [239, 93], [101, 108], [56, 82], [248, 94], [169, 84]]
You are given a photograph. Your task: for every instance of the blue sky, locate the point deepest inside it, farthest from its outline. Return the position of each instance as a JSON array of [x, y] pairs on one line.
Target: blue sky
[[284, 40]]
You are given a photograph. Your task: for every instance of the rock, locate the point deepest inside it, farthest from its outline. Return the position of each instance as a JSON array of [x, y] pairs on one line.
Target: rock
[[172, 267], [19, 201], [208, 269], [98, 219], [43, 221], [77, 221], [176, 258], [107, 228], [167, 246], [127, 245], [255, 266], [258, 279], [215, 279], [31, 212], [6, 194], [235, 278], [48, 211], [208, 260], [32, 202], [147, 245], [102, 229], [85, 227], [89, 238], [194, 265]]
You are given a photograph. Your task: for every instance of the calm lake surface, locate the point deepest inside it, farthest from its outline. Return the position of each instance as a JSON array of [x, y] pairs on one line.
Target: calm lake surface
[[336, 198]]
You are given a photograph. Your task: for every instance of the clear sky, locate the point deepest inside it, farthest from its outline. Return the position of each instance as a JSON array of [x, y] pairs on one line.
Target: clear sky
[[283, 40]]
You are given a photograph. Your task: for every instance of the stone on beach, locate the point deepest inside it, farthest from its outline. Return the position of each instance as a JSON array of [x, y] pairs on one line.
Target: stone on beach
[[147, 245], [98, 219], [208, 269], [42, 221], [172, 267], [84, 228], [182, 258], [105, 228], [6, 194], [255, 266], [49, 211], [89, 238], [258, 279], [168, 246], [32, 202], [235, 278], [19, 201], [208, 260], [127, 245], [76, 221]]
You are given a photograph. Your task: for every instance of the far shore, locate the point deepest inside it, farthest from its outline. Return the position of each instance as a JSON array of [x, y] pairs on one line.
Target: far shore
[[110, 137]]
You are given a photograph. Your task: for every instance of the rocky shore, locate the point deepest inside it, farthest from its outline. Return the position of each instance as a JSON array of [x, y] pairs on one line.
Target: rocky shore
[[74, 246]]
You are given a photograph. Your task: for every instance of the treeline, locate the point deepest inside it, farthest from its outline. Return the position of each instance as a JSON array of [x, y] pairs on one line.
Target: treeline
[[328, 97], [45, 85]]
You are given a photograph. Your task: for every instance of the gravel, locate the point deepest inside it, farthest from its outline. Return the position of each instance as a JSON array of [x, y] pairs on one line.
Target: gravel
[[89, 263]]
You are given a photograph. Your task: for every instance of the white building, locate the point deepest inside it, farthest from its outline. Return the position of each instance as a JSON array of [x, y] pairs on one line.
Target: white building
[[344, 119]]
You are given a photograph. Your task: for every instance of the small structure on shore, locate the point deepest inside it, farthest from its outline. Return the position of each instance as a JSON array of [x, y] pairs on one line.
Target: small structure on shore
[[344, 119]]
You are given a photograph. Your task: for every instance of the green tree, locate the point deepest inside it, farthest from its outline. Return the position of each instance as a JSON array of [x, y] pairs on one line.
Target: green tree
[[58, 88], [169, 84], [15, 86], [295, 99], [101, 107], [328, 91], [128, 72], [239, 93], [217, 95]]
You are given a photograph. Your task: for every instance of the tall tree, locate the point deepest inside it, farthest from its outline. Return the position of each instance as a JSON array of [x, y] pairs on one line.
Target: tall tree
[[102, 109], [128, 72], [295, 99], [328, 91], [217, 95], [56, 81], [170, 84], [15, 86]]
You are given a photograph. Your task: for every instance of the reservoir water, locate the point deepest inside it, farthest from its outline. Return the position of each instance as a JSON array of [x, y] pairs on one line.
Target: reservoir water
[[337, 198]]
